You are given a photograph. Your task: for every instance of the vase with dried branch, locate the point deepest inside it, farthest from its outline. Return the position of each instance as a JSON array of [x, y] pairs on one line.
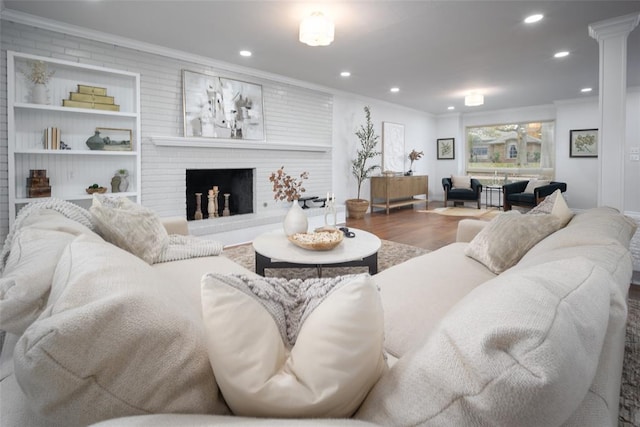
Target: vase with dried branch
[[39, 75], [286, 187]]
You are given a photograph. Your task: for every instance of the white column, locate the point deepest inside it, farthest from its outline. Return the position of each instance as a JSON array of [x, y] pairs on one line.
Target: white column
[[611, 35]]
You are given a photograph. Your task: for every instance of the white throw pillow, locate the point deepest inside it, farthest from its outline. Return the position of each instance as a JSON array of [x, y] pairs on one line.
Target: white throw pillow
[[130, 226], [556, 205], [509, 236], [336, 357], [116, 339], [520, 350], [535, 183], [460, 181]]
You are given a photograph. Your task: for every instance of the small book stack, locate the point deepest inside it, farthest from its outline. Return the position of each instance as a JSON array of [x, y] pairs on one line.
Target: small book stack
[[51, 139], [91, 97], [38, 183]]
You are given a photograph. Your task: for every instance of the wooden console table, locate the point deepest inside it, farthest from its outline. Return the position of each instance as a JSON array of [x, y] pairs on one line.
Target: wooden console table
[[393, 191]]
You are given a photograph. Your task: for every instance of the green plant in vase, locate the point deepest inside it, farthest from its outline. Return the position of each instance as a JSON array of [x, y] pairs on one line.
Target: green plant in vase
[[356, 208]]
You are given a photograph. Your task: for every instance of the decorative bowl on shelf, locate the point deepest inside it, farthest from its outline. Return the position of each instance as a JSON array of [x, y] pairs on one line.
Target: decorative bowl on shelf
[[99, 190], [318, 241]]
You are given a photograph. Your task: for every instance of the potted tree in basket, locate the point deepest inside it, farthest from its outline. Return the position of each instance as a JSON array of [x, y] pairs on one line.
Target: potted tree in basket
[[356, 208]]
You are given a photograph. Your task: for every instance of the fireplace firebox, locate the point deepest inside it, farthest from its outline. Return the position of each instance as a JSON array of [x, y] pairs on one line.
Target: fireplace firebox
[[238, 183]]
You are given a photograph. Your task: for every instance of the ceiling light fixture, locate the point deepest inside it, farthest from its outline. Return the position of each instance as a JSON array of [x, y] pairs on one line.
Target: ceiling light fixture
[[316, 30], [586, 89], [561, 54], [345, 74], [245, 53], [473, 99], [533, 18], [451, 107], [395, 89]]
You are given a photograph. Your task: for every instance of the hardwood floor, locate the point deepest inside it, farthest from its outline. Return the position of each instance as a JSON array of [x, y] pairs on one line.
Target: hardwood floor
[[408, 226]]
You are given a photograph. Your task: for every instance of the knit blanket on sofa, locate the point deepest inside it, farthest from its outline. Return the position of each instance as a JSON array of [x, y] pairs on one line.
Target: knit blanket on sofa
[[289, 302], [179, 247]]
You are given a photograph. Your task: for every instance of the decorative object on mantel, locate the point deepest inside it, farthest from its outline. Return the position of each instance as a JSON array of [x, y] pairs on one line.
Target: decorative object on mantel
[[39, 75], [198, 213], [225, 210], [217, 107], [285, 187], [356, 208], [91, 97], [38, 183], [212, 206], [413, 156]]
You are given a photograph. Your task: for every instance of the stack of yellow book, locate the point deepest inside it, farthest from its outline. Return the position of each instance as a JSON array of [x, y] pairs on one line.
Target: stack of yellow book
[[91, 97]]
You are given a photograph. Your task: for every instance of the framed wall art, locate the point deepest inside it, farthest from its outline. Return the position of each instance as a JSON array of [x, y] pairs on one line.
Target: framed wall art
[[446, 148], [392, 147], [583, 143], [116, 139], [219, 107]]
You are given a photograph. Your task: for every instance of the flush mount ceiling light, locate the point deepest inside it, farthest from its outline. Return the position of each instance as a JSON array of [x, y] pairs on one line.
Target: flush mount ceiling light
[[473, 99], [561, 54], [586, 89], [533, 18], [316, 30], [345, 74], [245, 53], [394, 89]]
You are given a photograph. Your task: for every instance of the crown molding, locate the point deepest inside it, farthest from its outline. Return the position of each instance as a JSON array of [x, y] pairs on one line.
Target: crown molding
[[93, 35]]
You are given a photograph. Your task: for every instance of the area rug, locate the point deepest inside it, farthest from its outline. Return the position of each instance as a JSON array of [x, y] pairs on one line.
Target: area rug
[[472, 212], [630, 391], [390, 253]]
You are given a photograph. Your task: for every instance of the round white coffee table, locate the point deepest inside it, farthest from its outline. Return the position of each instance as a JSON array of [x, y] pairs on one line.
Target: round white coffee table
[[274, 250]]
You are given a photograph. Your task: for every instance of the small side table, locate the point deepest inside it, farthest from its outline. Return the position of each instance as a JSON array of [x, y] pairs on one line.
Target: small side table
[[490, 190]]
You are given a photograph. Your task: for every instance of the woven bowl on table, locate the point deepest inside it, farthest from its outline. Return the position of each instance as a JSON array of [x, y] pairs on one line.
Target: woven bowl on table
[[318, 241], [98, 190]]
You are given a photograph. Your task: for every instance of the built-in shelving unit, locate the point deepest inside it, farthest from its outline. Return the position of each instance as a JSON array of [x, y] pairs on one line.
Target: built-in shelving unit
[[71, 171]]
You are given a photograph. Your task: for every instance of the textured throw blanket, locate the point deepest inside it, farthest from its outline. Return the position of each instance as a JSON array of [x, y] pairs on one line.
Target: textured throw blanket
[[178, 248], [289, 302]]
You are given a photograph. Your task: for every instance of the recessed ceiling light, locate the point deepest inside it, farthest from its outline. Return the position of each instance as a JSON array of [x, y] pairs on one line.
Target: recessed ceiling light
[[395, 89], [245, 53], [533, 18], [345, 74], [586, 89], [561, 54], [451, 107]]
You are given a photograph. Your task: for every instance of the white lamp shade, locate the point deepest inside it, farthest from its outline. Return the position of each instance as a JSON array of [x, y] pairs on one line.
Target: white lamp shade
[[473, 100], [317, 30]]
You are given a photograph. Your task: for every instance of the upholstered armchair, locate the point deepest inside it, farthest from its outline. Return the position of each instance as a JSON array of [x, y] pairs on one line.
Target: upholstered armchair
[[514, 194], [459, 194]]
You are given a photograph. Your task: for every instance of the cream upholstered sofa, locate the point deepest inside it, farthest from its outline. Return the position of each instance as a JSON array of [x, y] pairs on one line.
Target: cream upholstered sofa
[[115, 341]]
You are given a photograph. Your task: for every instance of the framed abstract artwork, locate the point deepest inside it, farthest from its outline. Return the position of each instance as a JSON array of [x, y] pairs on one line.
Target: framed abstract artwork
[[219, 107], [446, 149], [583, 143], [392, 147]]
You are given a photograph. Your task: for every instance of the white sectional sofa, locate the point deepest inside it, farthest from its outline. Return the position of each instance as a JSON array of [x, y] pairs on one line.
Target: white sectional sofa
[[99, 336]]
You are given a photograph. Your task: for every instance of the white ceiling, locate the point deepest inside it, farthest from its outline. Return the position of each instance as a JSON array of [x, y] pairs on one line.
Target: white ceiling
[[434, 51]]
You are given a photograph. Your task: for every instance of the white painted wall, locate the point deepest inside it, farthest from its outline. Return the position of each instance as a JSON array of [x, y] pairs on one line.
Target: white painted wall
[[348, 116], [448, 126], [580, 174], [632, 168]]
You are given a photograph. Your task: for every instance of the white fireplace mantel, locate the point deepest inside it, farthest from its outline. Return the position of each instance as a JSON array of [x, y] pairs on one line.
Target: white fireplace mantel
[[177, 141]]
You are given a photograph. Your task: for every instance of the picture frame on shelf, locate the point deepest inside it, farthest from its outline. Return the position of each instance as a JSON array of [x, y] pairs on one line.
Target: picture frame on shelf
[[583, 143], [392, 148], [446, 148], [116, 139], [220, 107]]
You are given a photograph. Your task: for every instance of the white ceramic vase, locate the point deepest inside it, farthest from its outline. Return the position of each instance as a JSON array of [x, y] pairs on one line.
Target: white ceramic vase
[[124, 183], [39, 94], [296, 220]]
